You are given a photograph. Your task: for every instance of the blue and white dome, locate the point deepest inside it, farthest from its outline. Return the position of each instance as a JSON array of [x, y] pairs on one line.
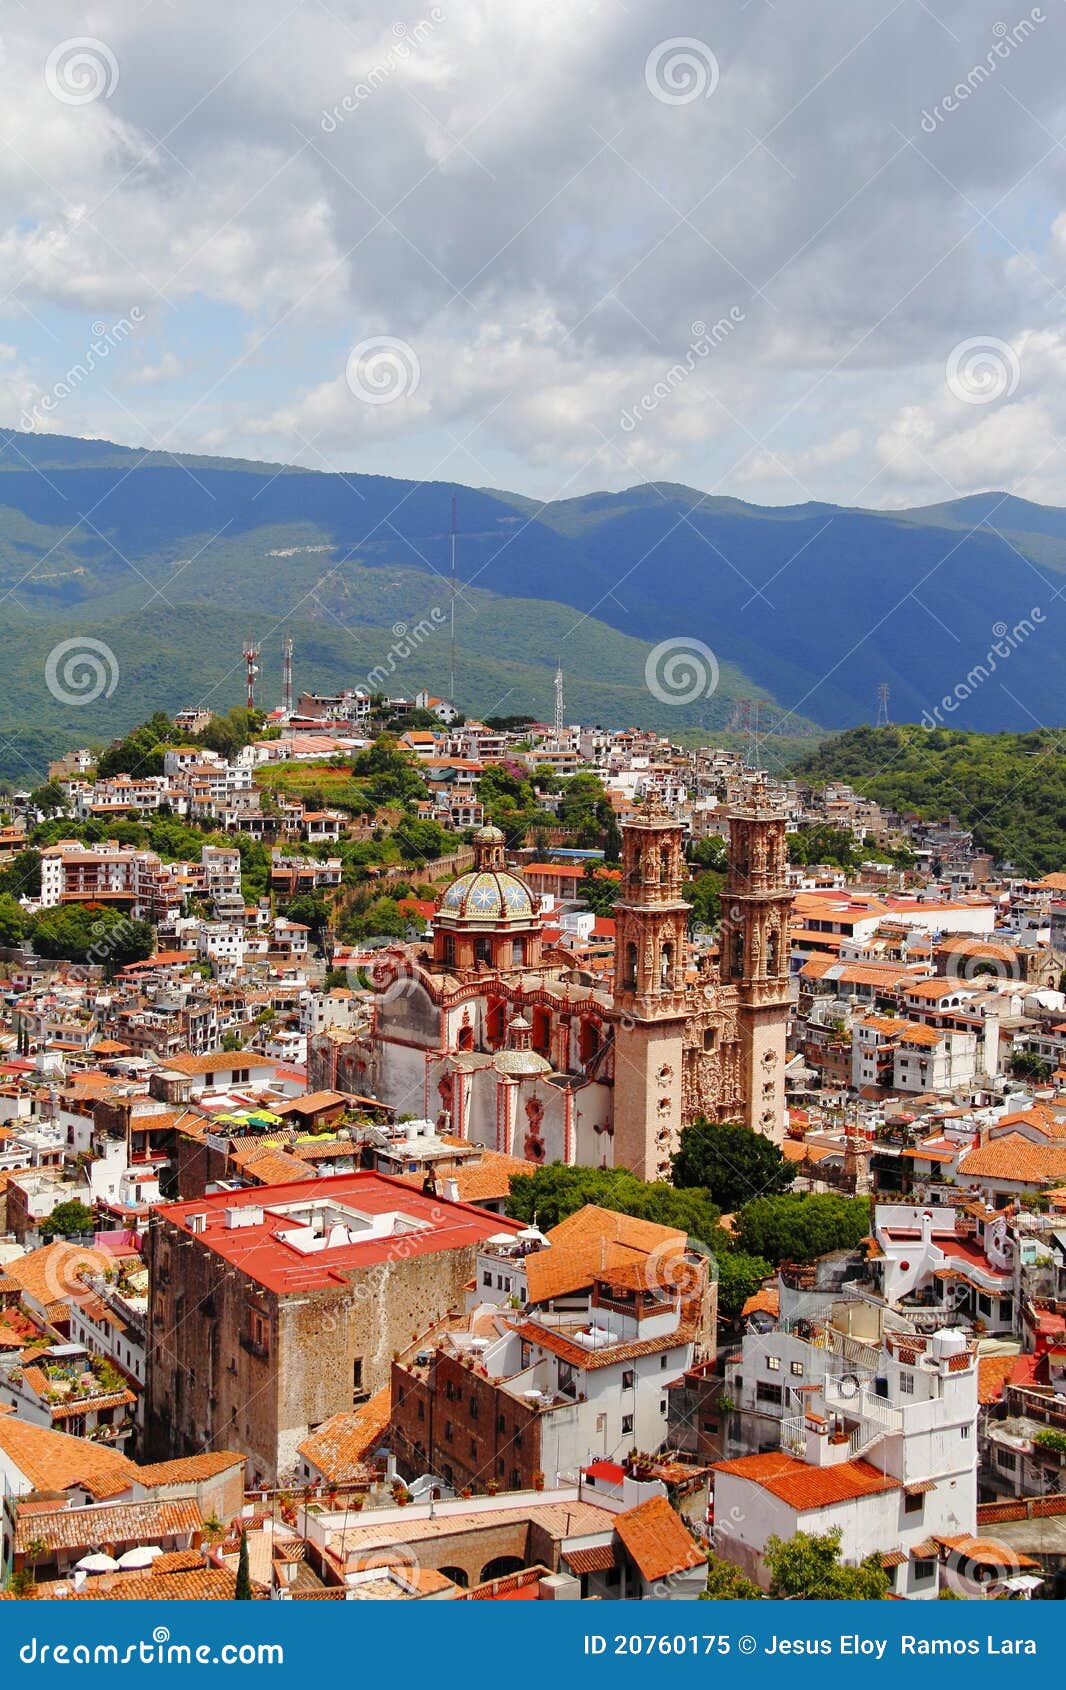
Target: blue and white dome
[[488, 895]]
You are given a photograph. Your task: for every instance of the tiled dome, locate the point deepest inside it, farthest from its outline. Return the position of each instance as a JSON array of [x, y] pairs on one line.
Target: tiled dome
[[488, 895]]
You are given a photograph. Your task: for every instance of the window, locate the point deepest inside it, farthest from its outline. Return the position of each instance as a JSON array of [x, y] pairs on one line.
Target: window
[[629, 1379], [913, 1504], [447, 1429], [964, 1431], [773, 1364], [627, 1424], [1006, 1458], [486, 1279], [662, 1363], [906, 1384], [924, 1569], [357, 1378], [796, 1368], [421, 1409], [767, 1393], [473, 1449], [662, 1406]]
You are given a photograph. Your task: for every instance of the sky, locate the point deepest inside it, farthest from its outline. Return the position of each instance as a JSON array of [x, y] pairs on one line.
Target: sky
[[779, 251]]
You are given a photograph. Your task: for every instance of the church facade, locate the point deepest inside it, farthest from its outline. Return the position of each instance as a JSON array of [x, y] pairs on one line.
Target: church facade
[[502, 1040]]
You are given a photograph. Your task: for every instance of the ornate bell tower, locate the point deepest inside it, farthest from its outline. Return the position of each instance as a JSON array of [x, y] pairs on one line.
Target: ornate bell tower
[[651, 947], [755, 956]]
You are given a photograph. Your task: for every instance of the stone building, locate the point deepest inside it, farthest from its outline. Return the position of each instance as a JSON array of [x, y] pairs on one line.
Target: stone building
[[272, 1311], [497, 1035]]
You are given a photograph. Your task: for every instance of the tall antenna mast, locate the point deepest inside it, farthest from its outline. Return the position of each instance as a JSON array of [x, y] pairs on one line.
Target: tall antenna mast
[[882, 705], [251, 658], [286, 676], [451, 699], [559, 704]]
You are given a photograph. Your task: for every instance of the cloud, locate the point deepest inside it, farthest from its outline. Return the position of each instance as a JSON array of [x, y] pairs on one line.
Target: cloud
[[501, 189]]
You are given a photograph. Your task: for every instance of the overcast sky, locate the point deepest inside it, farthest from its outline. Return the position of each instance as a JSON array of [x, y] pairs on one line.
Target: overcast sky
[[777, 250]]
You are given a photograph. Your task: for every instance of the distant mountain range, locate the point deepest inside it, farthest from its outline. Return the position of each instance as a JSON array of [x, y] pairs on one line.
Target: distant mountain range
[[172, 561]]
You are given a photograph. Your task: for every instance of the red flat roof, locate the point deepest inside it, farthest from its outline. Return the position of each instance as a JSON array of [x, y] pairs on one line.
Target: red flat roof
[[259, 1250]]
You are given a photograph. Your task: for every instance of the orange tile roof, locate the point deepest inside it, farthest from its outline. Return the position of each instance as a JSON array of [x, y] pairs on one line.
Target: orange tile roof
[[988, 1550], [992, 1374], [189, 1469], [1013, 1157], [53, 1273], [804, 1487], [53, 1461], [340, 1446], [209, 1584], [589, 1242], [578, 1356], [656, 1540], [120, 1522], [767, 1300], [481, 1181]]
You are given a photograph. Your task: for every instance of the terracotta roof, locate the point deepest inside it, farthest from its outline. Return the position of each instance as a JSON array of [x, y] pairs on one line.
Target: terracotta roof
[[52, 1461], [992, 1374], [122, 1522], [1014, 1157], [595, 1560], [208, 1584], [590, 1242], [481, 1181], [803, 1487], [53, 1273], [988, 1550], [578, 1356], [340, 1446], [767, 1300], [189, 1469], [275, 1167], [657, 1540]]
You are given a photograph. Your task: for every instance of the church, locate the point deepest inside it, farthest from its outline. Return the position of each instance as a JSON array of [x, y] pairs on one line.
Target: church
[[502, 1040]]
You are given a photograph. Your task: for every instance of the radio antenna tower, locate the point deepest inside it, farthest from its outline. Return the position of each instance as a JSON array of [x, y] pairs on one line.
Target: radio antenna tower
[[451, 696], [251, 658], [882, 705], [559, 703], [286, 676]]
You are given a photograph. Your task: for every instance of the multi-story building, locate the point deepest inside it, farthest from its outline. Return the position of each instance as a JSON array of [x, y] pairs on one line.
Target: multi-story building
[[272, 1312]]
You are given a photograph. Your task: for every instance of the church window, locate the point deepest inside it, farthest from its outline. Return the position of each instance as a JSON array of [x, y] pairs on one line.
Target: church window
[[666, 966], [466, 1038], [449, 949], [482, 950], [710, 1038], [738, 953], [631, 968]]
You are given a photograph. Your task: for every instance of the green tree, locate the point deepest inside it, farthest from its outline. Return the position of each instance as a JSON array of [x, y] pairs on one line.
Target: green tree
[[798, 1228], [68, 1220], [22, 877], [710, 853], [726, 1583], [807, 1567], [731, 1162], [48, 798], [1026, 1065], [243, 1589], [598, 890], [13, 920], [739, 1277]]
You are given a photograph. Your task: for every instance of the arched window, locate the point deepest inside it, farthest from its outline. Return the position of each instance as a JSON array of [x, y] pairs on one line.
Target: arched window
[[466, 1038], [631, 968], [666, 966], [500, 1568], [588, 1040], [494, 1024], [771, 951], [542, 1031], [458, 1575]]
